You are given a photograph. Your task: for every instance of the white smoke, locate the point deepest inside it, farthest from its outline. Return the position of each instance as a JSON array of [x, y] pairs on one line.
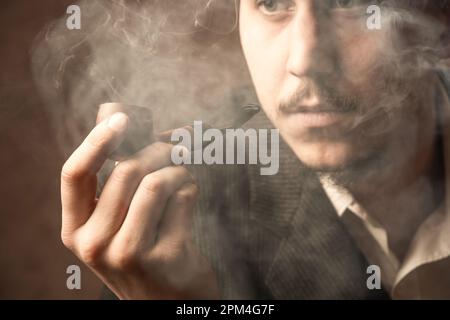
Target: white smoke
[[180, 58]]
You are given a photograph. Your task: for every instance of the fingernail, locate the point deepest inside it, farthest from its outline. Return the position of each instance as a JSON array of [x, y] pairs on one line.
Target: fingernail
[[118, 122]]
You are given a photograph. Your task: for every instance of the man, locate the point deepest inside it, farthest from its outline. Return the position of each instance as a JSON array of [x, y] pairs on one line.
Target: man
[[361, 182]]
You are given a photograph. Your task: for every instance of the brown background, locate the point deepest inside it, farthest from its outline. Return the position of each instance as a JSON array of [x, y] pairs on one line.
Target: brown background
[[33, 261]]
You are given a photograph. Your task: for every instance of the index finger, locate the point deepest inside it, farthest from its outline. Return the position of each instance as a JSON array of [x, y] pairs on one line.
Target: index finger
[[78, 175]]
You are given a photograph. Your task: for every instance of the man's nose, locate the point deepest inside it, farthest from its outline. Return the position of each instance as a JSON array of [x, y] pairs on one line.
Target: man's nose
[[310, 52]]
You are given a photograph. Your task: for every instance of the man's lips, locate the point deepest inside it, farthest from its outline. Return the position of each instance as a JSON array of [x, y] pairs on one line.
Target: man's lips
[[316, 109], [317, 116]]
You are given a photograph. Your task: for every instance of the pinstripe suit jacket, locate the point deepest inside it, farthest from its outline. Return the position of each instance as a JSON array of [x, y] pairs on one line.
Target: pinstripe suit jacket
[[276, 237]]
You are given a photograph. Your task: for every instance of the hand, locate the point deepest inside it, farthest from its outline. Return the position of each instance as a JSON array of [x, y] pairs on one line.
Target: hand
[[136, 236]]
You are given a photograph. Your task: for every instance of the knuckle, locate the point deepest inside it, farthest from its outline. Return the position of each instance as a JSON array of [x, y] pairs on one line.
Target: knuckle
[[186, 173], [163, 257], [124, 259], [70, 174], [167, 260], [170, 253], [187, 194], [126, 170], [153, 184], [90, 252]]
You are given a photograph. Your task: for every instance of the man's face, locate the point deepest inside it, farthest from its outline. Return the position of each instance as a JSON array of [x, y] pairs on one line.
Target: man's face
[[325, 80]]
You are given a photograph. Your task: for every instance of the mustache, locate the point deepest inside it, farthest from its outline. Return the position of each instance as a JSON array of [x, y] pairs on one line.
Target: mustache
[[330, 100]]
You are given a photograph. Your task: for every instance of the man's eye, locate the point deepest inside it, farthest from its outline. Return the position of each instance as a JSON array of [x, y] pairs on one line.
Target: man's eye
[[347, 4], [273, 7]]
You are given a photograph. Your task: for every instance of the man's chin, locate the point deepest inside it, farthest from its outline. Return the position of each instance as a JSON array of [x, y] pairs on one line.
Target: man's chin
[[325, 156], [345, 164]]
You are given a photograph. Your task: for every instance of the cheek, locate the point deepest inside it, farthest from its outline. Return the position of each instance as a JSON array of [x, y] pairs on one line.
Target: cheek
[[362, 63], [362, 58], [265, 52], [268, 80]]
